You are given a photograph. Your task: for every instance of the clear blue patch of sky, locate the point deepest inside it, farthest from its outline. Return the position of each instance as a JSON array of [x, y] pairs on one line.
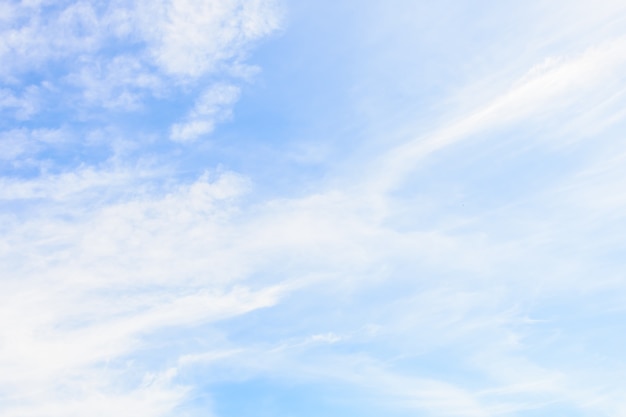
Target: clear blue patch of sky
[[269, 398]]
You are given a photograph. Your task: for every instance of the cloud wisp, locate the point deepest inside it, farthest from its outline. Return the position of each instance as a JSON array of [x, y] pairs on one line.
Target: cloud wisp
[[472, 270]]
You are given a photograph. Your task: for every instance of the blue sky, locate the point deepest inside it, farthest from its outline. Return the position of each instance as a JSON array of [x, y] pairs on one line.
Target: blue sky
[[228, 208]]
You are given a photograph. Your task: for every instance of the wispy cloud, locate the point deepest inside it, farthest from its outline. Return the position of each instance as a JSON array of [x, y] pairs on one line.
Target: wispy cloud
[[470, 269], [213, 106], [182, 34], [549, 89]]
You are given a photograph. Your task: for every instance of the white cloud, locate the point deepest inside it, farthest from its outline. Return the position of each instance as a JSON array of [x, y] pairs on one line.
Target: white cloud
[[84, 294], [213, 106], [554, 88], [117, 56], [149, 401], [22, 107], [32, 38], [120, 83], [16, 145], [190, 38], [118, 279]]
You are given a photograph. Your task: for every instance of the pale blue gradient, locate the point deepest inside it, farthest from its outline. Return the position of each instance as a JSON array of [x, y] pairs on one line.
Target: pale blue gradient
[[303, 208]]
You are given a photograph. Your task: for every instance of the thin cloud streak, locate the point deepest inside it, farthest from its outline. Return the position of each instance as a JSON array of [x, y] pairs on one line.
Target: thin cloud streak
[[547, 88], [132, 285]]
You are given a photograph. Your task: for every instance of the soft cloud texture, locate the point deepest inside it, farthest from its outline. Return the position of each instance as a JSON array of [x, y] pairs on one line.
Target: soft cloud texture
[[211, 107], [413, 209], [189, 38]]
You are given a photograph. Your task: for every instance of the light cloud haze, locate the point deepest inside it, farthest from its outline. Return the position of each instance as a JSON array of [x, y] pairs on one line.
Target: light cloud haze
[[234, 208]]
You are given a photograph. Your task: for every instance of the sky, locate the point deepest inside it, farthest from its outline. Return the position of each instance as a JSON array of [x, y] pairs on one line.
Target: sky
[[250, 208]]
